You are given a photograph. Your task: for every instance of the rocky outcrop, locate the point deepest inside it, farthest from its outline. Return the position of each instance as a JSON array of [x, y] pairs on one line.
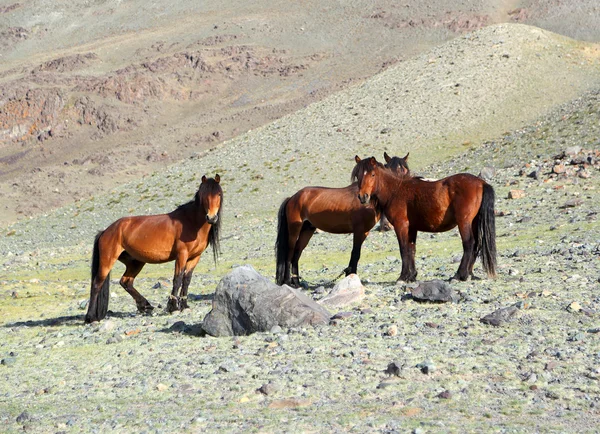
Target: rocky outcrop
[[245, 302]]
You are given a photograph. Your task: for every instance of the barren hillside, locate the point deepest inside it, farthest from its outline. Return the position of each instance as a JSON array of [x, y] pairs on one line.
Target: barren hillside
[[95, 94]]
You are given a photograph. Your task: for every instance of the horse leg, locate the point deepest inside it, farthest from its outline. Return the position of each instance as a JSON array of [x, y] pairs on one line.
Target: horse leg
[[306, 234], [407, 239], [465, 269], [291, 276], [132, 269], [358, 239], [174, 302], [187, 278]]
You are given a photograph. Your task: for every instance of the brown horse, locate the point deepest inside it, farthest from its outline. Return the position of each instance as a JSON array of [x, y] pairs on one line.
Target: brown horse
[[333, 210], [180, 236], [400, 166], [413, 205]]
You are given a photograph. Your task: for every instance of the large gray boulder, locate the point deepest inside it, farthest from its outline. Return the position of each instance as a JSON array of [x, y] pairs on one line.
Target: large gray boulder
[[246, 302]]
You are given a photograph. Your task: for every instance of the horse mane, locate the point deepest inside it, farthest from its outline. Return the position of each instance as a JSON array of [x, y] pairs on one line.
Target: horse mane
[[360, 168], [211, 187], [398, 163]]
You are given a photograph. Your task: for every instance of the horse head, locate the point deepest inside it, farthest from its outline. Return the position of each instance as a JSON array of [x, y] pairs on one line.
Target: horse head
[[364, 174], [398, 165], [210, 197]]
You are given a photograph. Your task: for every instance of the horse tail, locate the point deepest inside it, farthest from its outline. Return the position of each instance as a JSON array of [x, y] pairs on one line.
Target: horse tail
[[104, 295], [486, 231], [282, 242]]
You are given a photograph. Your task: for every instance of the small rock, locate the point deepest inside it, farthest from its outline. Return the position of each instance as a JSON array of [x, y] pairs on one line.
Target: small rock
[[268, 389], [161, 387], [558, 168], [427, 367], [572, 203], [574, 307], [348, 291], [446, 394], [487, 173], [500, 316], [433, 290], [550, 366], [23, 417], [393, 368], [573, 150], [8, 361], [392, 330], [516, 194]]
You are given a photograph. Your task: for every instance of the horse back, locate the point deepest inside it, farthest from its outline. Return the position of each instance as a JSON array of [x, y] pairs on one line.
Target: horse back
[[335, 210]]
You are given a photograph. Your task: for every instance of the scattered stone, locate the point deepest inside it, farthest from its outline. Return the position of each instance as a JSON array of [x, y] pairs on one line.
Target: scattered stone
[[536, 174], [246, 302], [106, 326], [394, 368], [23, 417], [161, 387], [573, 150], [268, 389], [8, 361], [558, 168], [516, 194], [427, 367], [487, 173], [572, 203], [550, 366], [83, 304], [446, 394], [574, 307], [342, 315], [434, 290], [500, 316], [348, 291], [392, 330]]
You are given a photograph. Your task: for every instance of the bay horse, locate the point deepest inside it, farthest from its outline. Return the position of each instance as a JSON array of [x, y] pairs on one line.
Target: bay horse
[[400, 166], [181, 236], [412, 204], [333, 210]]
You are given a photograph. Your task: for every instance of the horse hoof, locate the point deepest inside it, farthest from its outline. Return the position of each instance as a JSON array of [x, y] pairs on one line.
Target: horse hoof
[[183, 305], [172, 305]]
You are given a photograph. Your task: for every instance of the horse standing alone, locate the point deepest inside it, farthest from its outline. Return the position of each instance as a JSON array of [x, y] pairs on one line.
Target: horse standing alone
[[181, 236], [413, 205]]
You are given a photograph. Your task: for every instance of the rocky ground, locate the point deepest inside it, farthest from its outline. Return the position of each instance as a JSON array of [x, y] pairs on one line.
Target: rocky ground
[[390, 364]]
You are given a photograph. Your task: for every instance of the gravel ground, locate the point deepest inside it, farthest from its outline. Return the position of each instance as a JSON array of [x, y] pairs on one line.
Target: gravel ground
[[449, 372]]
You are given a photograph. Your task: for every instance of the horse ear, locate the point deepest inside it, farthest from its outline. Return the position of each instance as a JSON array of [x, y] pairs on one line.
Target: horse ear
[[406, 158], [387, 157], [217, 178], [357, 158], [203, 179]]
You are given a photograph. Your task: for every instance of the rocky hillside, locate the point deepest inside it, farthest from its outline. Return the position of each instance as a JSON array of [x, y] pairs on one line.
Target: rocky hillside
[[96, 94]]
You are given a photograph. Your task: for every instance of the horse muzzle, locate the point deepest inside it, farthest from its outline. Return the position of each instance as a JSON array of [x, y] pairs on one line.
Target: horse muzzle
[[364, 198], [212, 220]]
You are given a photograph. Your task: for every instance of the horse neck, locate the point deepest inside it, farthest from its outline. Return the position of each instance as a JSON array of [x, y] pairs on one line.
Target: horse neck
[[389, 185]]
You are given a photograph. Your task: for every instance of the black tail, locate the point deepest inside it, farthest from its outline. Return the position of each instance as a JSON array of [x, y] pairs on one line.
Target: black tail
[[486, 231], [97, 311], [282, 243]]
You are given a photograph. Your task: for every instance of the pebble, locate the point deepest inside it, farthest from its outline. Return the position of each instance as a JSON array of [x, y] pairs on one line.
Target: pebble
[[427, 367], [8, 361]]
